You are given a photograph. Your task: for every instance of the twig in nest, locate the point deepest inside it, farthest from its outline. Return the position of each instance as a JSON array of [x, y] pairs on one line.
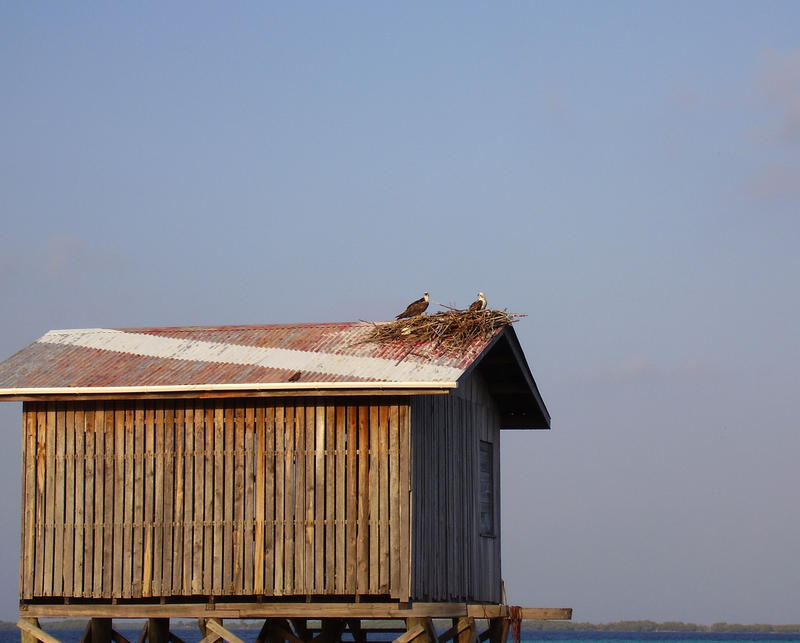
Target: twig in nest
[[448, 331]]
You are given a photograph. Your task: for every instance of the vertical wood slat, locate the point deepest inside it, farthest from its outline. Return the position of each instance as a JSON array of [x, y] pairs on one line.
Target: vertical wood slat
[[178, 495], [202, 480], [148, 490], [249, 507], [227, 532], [80, 469], [394, 501], [29, 497], [168, 495], [58, 515], [280, 491], [330, 504], [341, 499], [351, 567], [108, 501], [219, 454], [290, 490], [269, 497], [49, 499], [319, 500], [260, 503], [88, 504], [362, 547], [404, 509], [69, 501], [207, 563], [123, 460], [158, 498], [237, 577], [383, 499], [374, 496], [99, 497], [189, 464], [134, 533], [305, 505]]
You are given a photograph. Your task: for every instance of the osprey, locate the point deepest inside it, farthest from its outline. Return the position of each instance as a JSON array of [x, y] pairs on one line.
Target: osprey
[[415, 308], [479, 303]]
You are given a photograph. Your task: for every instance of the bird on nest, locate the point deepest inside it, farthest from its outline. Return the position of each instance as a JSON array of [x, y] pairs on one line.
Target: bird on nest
[[478, 304], [415, 307]]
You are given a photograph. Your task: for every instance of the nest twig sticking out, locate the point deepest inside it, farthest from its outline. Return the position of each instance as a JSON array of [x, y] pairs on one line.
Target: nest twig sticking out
[[447, 331]]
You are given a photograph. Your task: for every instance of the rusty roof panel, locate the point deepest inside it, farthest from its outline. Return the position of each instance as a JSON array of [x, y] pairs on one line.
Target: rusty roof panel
[[226, 356]]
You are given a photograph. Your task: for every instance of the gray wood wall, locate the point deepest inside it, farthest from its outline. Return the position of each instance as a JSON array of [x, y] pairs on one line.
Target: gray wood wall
[[451, 560], [133, 499]]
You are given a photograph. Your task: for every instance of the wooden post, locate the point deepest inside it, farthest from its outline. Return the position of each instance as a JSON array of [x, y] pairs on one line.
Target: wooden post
[[498, 630], [100, 630], [466, 633], [157, 630]]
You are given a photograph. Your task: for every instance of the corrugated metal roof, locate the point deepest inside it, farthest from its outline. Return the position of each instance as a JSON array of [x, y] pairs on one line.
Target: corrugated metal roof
[[227, 357]]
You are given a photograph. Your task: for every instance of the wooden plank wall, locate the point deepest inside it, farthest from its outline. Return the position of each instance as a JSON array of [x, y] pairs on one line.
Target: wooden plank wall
[[451, 560], [135, 499]]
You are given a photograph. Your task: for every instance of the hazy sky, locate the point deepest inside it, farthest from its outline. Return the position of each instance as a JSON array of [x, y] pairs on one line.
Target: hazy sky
[[627, 174]]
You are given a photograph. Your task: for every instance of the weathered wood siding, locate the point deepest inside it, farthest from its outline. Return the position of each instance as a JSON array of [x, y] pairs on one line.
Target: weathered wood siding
[[451, 559], [136, 499]]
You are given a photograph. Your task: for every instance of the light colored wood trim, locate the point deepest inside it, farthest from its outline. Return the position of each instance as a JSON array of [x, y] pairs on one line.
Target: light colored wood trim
[[410, 635], [217, 628], [366, 610], [361, 389], [26, 625]]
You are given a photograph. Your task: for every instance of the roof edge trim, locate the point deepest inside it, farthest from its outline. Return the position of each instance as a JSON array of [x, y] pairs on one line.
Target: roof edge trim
[[267, 386]]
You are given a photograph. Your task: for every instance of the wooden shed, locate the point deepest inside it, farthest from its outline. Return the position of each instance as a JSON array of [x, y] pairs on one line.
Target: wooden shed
[[262, 471]]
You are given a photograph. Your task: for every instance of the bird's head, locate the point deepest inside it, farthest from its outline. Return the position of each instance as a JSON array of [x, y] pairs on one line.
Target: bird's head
[[425, 297], [482, 297]]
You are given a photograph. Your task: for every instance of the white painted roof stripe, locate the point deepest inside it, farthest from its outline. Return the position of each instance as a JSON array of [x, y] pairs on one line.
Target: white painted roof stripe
[[201, 351]]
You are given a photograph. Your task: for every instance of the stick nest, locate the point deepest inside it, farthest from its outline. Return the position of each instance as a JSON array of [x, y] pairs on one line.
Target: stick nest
[[447, 331]]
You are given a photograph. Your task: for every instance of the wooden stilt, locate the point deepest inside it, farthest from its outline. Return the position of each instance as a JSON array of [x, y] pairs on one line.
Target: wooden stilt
[[466, 630], [158, 630], [359, 635], [498, 630], [100, 630], [331, 630]]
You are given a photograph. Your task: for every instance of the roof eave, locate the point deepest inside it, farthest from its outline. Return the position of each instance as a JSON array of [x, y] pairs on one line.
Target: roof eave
[[271, 388], [516, 420]]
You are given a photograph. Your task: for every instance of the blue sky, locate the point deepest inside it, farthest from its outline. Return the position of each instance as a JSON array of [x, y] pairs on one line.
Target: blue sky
[[626, 174]]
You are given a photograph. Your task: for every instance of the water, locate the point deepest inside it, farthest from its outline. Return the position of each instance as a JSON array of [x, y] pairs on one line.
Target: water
[[192, 635]]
